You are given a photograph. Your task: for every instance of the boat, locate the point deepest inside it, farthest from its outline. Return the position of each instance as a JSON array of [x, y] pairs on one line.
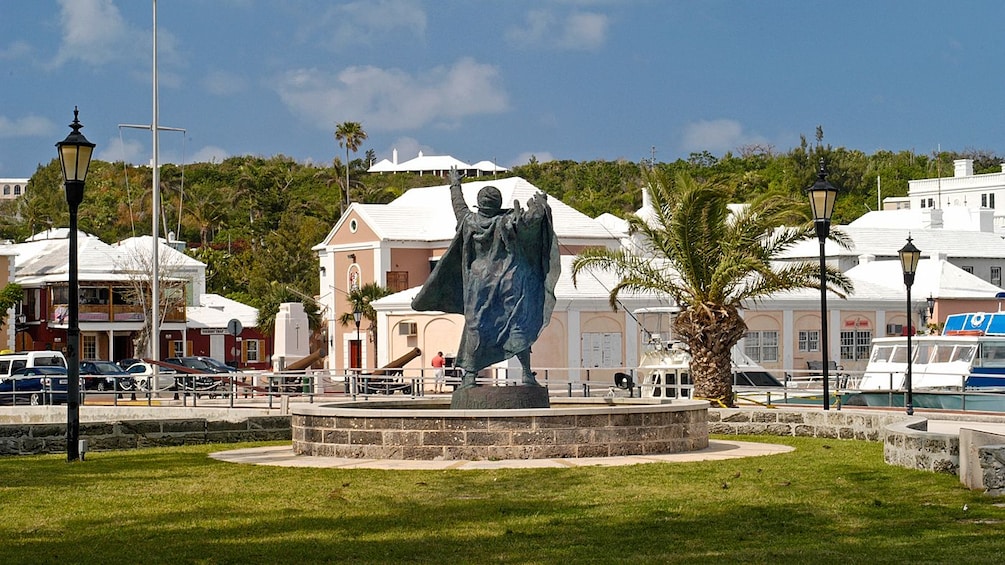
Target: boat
[[666, 366], [961, 368]]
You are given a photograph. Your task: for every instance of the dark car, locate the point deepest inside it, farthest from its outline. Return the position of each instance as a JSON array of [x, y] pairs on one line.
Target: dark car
[[35, 386], [201, 364], [105, 375]]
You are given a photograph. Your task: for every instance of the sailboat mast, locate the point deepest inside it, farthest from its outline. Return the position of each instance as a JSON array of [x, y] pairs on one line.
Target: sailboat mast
[[155, 209]]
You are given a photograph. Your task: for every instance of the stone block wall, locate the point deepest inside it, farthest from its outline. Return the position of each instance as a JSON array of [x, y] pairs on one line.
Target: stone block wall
[[992, 461], [655, 429], [38, 438], [906, 441]]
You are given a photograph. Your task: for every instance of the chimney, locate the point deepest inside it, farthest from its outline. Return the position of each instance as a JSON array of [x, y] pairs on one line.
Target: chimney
[[963, 168], [394, 156]]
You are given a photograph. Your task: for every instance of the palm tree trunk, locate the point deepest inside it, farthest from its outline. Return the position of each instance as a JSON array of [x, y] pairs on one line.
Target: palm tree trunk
[[711, 332]]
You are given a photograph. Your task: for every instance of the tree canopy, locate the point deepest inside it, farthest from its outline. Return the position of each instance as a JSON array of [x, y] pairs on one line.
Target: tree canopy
[[254, 219]]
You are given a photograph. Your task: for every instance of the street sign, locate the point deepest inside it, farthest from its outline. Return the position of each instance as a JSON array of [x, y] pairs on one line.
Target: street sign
[[234, 327]]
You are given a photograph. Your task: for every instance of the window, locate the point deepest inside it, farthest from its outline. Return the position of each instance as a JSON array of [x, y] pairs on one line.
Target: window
[[17, 190], [855, 344], [6, 190], [88, 347], [397, 280], [809, 340], [252, 351], [988, 200], [762, 346], [968, 269], [996, 276]]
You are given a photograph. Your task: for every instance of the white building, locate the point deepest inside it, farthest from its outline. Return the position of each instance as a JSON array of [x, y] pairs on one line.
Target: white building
[[12, 188], [963, 190], [437, 165]]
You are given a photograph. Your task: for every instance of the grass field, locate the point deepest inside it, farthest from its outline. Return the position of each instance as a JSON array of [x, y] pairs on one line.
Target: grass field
[[829, 501]]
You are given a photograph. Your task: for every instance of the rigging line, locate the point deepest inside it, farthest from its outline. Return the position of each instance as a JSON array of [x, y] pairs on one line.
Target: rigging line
[[181, 199], [125, 173]]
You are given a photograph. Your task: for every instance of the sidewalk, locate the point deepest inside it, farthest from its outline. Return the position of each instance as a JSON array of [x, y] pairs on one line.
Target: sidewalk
[[283, 456]]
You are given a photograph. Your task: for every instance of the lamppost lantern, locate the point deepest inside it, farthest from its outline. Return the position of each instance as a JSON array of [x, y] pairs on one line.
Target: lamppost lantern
[[74, 158], [823, 195], [910, 256]]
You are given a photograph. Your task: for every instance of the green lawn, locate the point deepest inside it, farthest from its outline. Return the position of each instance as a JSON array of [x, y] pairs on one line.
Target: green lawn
[[829, 501]]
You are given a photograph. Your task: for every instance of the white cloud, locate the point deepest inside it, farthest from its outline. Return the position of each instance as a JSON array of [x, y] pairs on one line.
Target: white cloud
[[223, 83], [577, 31], [367, 22], [716, 136], [28, 126], [584, 31], [94, 32], [408, 148], [117, 149], [209, 154], [525, 157], [392, 99]]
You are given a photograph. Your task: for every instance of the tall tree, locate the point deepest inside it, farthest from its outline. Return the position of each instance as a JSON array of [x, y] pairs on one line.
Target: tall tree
[[709, 261], [349, 135]]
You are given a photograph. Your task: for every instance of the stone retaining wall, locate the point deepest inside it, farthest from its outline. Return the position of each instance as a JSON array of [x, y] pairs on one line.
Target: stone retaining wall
[[38, 438], [442, 434]]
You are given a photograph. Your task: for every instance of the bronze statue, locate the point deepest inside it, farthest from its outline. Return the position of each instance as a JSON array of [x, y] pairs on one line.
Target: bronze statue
[[499, 271]]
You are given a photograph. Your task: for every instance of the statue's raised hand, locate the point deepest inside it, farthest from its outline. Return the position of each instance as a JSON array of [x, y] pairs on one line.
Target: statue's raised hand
[[454, 175]]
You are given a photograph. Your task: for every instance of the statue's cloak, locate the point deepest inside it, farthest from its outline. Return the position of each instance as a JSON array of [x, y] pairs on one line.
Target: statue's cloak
[[500, 272]]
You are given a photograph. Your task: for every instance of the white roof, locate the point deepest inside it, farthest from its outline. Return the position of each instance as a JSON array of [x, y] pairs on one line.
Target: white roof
[[489, 167], [215, 311], [143, 245], [885, 242], [383, 166], [426, 214]]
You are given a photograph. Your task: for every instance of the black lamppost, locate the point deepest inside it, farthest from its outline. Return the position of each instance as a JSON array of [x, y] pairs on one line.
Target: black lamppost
[[822, 196], [909, 257], [357, 315], [74, 158]]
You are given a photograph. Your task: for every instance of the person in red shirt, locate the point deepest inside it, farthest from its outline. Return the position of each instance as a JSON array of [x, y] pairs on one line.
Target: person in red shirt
[[438, 363]]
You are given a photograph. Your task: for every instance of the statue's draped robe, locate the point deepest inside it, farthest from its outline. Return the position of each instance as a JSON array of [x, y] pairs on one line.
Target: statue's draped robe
[[500, 272]]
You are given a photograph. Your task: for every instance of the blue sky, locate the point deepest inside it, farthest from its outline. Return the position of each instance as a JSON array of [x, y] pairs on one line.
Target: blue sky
[[501, 80]]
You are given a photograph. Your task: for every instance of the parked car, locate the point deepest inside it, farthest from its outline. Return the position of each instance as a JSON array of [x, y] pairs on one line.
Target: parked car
[[105, 375], [10, 362], [35, 386], [201, 364], [128, 362], [143, 376], [220, 365]]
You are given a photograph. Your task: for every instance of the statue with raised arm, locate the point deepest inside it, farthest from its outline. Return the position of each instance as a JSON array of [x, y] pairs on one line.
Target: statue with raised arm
[[500, 272]]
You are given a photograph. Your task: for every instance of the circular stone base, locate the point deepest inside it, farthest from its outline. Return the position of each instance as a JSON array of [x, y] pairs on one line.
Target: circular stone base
[[499, 397]]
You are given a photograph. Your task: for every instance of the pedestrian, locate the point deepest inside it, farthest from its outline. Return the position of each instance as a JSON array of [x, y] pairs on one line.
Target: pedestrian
[[438, 363]]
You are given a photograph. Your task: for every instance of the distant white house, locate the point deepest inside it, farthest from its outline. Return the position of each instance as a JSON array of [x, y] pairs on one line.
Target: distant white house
[[438, 165], [12, 188], [962, 191]]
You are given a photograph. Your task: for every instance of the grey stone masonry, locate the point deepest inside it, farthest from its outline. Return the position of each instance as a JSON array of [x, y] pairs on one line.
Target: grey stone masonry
[[376, 431], [38, 438]]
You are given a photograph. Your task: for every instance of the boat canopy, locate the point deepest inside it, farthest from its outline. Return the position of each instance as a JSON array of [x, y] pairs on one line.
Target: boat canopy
[[979, 323]]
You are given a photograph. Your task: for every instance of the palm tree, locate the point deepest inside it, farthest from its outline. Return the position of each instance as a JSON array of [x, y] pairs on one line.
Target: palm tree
[[710, 261], [360, 299], [349, 135]]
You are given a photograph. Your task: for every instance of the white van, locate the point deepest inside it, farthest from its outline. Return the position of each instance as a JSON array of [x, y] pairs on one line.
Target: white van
[[10, 362]]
